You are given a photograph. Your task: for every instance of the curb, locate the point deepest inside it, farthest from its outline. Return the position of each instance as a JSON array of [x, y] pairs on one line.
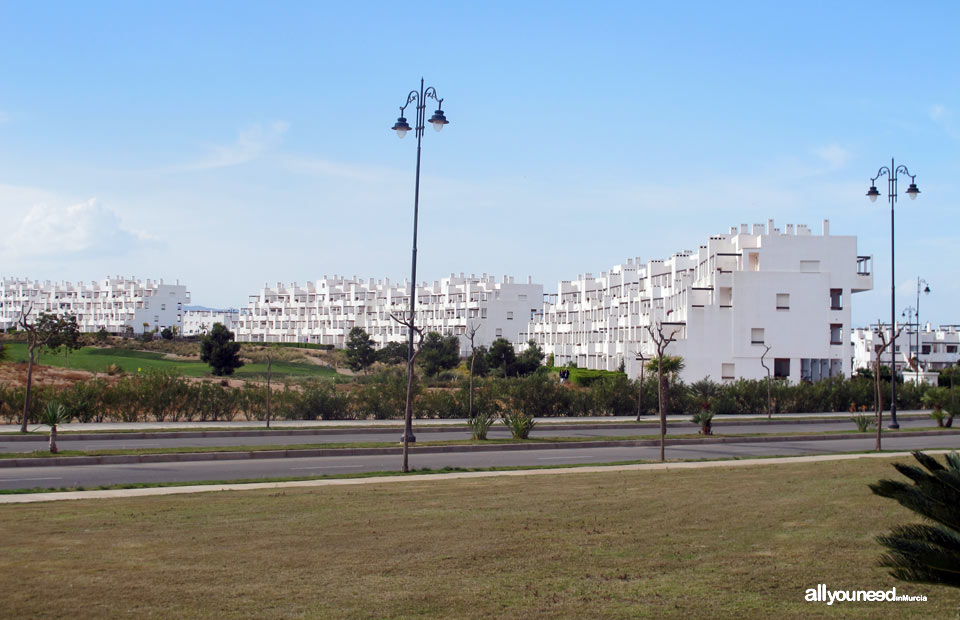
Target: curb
[[127, 459]]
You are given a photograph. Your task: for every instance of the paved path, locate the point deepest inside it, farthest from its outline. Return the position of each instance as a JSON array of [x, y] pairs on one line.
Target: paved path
[[369, 435], [121, 493], [96, 475]]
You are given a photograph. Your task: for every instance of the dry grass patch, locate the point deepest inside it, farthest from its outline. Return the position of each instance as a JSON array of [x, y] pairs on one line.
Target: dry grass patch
[[719, 543]]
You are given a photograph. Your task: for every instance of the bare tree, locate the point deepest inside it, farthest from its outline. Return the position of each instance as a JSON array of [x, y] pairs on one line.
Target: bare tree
[[661, 341], [268, 355], [408, 411], [765, 367], [643, 361], [40, 333], [878, 393], [471, 335]]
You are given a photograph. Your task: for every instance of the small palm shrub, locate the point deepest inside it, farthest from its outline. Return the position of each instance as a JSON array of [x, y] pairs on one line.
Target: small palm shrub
[[705, 419], [54, 415], [925, 552], [480, 424], [113, 370], [520, 424], [938, 415], [863, 421]]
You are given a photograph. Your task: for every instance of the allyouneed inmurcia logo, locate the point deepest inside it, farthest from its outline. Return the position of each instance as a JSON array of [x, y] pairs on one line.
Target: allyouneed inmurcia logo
[[821, 594]]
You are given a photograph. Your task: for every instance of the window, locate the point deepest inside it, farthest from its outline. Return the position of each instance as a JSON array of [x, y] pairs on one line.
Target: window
[[783, 301], [509, 316], [951, 348], [756, 335], [499, 332], [836, 299], [483, 313], [727, 372], [781, 367], [836, 333], [925, 349]]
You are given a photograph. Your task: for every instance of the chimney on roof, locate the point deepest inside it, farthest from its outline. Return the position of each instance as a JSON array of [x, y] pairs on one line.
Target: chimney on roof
[[826, 228], [789, 229]]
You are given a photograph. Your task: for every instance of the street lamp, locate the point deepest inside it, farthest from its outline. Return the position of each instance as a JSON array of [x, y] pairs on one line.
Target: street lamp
[[926, 291], [438, 120], [910, 313], [892, 173]]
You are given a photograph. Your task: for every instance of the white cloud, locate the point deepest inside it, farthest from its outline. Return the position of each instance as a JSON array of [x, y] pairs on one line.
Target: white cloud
[[834, 154], [352, 172], [250, 144], [87, 229]]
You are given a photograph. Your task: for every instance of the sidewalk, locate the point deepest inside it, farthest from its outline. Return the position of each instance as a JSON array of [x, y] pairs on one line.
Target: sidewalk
[[172, 426], [122, 493]]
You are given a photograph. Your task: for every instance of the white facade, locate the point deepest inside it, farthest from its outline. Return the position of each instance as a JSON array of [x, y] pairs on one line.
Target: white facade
[[198, 322], [324, 311], [738, 293], [113, 303], [939, 348]]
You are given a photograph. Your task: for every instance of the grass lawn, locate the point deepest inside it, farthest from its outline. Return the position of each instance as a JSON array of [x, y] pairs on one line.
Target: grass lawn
[[96, 359], [708, 543]]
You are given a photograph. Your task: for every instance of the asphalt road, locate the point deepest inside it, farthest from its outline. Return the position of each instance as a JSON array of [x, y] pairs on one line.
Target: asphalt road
[[279, 438], [95, 475]]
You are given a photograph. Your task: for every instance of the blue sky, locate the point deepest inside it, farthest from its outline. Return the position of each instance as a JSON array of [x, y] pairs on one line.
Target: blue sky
[[232, 144]]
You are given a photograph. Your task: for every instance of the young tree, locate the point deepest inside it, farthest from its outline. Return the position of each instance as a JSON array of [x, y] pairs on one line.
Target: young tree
[[268, 355], [502, 357], [166, 333], [392, 353], [767, 368], [40, 333], [925, 552], [408, 408], [220, 351], [664, 366], [360, 352], [67, 338], [439, 353], [878, 393], [471, 336], [529, 360]]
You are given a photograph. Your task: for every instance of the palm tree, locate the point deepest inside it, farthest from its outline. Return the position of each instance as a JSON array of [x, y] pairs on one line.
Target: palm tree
[[922, 552], [667, 368], [54, 415], [937, 398]]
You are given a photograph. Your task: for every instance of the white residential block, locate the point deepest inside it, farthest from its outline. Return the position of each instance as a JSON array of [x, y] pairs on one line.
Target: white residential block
[[114, 304], [724, 304], [324, 311]]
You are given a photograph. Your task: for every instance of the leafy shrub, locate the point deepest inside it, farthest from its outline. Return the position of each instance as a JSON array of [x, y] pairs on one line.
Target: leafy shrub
[[519, 424], [322, 401], [440, 404], [704, 418], [480, 424], [384, 398], [863, 421], [539, 395], [614, 394]]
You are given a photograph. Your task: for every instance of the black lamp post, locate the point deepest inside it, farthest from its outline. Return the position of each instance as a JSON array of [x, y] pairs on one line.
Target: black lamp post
[[438, 120], [926, 291], [892, 173]]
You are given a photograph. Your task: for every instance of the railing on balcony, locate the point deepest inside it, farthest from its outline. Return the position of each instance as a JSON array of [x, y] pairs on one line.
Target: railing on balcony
[[864, 265]]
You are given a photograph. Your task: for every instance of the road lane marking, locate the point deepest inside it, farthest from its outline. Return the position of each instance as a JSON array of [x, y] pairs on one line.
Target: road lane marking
[[26, 479], [327, 467], [551, 458]]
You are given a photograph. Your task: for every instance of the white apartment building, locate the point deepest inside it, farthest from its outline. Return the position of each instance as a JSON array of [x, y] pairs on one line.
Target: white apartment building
[[198, 322], [738, 294], [114, 304], [939, 348], [324, 311]]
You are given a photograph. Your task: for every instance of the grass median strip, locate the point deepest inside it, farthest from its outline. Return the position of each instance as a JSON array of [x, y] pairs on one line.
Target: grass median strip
[[454, 442]]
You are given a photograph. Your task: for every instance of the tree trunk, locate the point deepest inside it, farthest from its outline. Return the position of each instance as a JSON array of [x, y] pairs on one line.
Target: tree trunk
[[878, 396], [268, 392], [663, 411], [473, 358], [26, 398], [640, 394], [53, 439], [407, 417]]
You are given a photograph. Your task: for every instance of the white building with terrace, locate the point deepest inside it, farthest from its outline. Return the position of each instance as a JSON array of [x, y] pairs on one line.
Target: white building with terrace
[[324, 311], [751, 297], [938, 348], [117, 305], [198, 321]]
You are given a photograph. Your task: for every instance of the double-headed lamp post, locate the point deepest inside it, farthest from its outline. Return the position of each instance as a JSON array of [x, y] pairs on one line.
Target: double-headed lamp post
[[438, 120], [892, 173]]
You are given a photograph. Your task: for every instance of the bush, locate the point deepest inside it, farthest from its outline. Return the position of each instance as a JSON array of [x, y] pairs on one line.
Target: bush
[[479, 425], [614, 394], [863, 421], [704, 418], [385, 396], [519, 424], [440, 404], [539, 395], [322, 401]]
